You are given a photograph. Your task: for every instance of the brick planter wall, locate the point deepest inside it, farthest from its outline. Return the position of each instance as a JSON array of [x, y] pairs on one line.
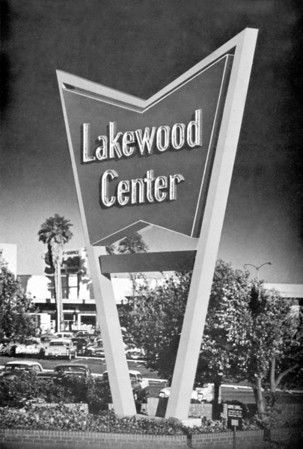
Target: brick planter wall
[[46, 439], [50, 439], [252, 439]]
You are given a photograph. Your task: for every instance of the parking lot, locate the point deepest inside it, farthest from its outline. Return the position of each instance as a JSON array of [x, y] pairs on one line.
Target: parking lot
[[96, 365]]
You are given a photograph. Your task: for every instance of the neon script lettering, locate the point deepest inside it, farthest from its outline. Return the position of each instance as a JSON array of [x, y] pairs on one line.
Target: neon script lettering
[[143, 142]]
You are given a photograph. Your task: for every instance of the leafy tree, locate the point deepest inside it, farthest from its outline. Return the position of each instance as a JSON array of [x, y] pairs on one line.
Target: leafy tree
[[156, 320], [246, 328], [286, 363], [218, 360], [15, 307], [132, 244], [55, 233]]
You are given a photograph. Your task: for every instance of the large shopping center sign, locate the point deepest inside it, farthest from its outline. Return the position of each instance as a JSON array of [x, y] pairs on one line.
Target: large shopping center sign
[[165, 161], [147, 161]]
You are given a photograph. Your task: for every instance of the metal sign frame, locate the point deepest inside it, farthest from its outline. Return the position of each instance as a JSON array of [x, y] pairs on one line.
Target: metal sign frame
[[243, 46]]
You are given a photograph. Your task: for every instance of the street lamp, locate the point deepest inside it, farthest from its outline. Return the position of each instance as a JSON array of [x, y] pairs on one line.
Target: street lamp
[[257, 268]]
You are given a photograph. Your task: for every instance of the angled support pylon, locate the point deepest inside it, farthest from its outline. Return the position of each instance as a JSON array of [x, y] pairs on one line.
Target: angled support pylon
[[207, 249]]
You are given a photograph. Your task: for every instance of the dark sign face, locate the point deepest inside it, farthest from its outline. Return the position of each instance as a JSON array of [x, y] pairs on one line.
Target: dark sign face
[[146, 162]]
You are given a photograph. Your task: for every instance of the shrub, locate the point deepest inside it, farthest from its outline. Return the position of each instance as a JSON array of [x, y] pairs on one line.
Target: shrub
[[98, 396], [14, 391], [62, 417], [26, 385]]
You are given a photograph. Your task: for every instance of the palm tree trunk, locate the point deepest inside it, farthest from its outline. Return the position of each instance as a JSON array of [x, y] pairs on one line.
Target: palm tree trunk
[[57, 254], [58, 313], [59, 298]]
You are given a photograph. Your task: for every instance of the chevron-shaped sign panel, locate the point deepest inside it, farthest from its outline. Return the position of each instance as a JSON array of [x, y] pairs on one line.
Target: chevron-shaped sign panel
[[142, 162], [165, 161]]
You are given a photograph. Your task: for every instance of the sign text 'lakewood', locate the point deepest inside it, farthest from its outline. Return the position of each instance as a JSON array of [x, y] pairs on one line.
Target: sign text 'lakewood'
[[117, 145]]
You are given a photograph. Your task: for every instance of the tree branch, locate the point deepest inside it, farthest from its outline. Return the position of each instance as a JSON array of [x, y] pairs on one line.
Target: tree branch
[[284, 373], [273, 384]]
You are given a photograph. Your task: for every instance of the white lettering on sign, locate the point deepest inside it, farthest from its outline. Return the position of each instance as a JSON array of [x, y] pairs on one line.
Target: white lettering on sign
[[149, 189], [117, 144], [143, 142]]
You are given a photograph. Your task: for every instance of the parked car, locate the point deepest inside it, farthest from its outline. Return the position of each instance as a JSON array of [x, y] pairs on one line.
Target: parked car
[[72, 370], [63, 334], [134, 353], [31, 346], [81, 344], [83, 334], [61, 347], [140, 386], [95, 349], [199, 394], [135, 377], [46, 338], [12, 369]]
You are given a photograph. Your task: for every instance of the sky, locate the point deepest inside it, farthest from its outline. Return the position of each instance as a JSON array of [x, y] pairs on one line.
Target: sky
[[138, 47]]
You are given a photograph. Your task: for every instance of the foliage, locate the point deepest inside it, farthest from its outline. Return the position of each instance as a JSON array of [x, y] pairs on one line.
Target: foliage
[[14, 391], [246, 327], [132, 244], [98, 396], [230, 290], [54, 232], [162, 310], [62, 417], [286, 365], [156, 321], [57, 229], [15, 307]]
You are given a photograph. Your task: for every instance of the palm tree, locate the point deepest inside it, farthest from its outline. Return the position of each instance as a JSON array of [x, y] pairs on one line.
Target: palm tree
[[55, 232]]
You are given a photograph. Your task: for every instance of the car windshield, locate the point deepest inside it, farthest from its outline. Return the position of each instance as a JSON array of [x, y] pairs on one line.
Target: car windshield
[[17, 367], [46, 338], [30, 342], [70, 368], [135, 376]]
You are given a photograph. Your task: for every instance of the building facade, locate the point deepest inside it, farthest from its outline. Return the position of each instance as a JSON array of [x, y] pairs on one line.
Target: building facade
[[79, 303]]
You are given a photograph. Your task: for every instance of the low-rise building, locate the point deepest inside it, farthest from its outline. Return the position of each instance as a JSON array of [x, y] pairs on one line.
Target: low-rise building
[[79, 306]]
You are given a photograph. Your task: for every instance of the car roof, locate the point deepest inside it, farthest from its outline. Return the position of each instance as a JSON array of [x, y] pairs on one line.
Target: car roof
[[64, 332], [32, 339], [73, 365], [22, 362], [136, 373], [58, 340]]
